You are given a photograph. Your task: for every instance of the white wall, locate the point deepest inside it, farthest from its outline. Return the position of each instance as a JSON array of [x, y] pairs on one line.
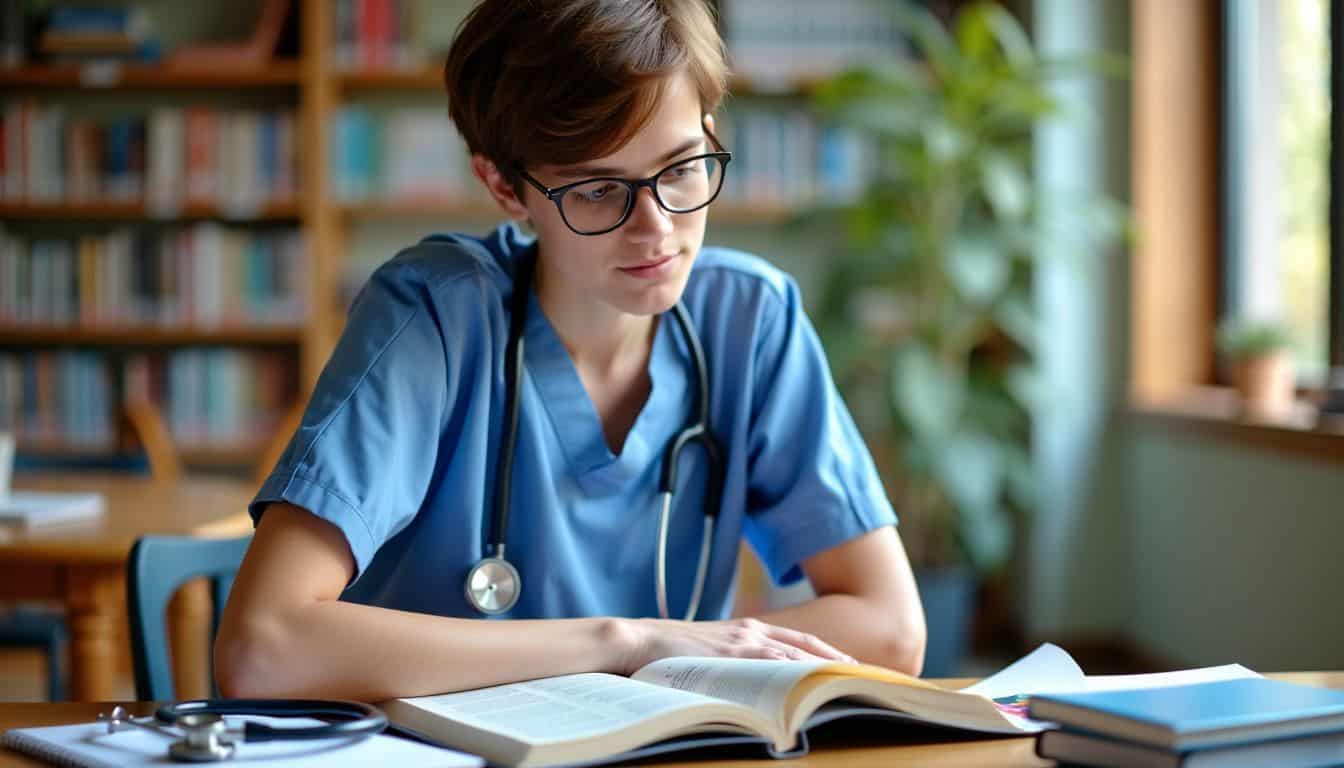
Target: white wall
[[1239, 553]]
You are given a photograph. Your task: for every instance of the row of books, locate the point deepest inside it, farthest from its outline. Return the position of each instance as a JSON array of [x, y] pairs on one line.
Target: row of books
[[776, 43], [58, 398], [211, 396], [390, 34], [238, 160], [205, 276], [780, 156], [786, 157], [401, 155]]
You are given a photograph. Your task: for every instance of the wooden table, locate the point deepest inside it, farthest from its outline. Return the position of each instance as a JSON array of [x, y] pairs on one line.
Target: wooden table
[[83, 565], [915, 748]]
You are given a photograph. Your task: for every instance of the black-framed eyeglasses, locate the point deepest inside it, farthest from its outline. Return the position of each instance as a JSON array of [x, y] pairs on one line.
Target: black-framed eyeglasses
[[598, 206]]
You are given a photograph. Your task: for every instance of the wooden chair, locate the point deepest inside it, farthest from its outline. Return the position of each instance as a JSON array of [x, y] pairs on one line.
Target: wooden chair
[[165, 466], [157, 567]]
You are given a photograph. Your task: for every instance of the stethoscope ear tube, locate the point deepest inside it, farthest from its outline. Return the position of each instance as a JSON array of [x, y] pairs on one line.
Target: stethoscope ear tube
[[358, 719]]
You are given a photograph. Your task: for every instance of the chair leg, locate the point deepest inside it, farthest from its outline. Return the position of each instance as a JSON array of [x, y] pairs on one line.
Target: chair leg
[[56, 650]]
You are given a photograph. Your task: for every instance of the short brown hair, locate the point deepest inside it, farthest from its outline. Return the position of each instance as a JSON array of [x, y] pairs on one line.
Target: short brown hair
[[557, 82]]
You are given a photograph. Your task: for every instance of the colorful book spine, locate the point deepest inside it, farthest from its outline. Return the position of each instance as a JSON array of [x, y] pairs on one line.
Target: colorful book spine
[[237, 160], [210, 396], [204, 276]]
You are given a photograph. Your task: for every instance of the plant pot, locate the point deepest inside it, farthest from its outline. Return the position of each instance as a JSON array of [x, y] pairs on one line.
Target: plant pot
[[1266, 385], [948, 595]]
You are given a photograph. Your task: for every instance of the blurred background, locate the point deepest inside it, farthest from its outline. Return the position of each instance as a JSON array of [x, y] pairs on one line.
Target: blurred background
[[1077, 265]]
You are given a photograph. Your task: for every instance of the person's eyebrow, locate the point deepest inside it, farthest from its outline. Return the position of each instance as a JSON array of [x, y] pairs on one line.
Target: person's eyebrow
[[593, 171]]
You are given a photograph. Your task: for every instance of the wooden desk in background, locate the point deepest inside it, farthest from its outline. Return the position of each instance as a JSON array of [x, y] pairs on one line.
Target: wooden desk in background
[[912, 747], [83, 565]]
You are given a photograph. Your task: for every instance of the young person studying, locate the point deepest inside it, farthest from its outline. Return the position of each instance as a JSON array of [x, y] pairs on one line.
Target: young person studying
[[491, 438]]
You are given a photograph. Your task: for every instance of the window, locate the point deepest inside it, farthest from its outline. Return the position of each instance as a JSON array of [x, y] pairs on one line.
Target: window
[[1279, 251]]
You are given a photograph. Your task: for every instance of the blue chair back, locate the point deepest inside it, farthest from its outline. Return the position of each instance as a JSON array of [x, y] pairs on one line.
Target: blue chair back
[[157, 567]]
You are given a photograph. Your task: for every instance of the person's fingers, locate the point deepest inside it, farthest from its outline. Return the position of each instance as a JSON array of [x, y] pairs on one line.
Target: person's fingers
[[813, 645]]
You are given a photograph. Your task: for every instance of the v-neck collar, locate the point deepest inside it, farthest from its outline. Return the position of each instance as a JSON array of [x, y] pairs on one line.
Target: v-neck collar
[[577, 427]]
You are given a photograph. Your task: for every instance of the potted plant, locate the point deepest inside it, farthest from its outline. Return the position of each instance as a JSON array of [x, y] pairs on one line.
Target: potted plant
[[928, 312], [1261, 365]]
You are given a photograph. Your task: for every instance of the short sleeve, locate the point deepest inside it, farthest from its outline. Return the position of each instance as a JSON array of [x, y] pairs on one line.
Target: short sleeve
[[812, 482], [364, 454]]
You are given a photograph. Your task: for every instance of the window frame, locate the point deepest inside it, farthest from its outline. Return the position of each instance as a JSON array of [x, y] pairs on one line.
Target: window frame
[[1237, 33]]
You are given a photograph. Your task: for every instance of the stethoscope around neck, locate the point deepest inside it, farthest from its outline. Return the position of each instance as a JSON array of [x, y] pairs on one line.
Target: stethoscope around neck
[[493, 584]]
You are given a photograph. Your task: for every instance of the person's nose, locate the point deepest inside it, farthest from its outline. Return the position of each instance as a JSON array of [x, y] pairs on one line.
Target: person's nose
[[648, 220]]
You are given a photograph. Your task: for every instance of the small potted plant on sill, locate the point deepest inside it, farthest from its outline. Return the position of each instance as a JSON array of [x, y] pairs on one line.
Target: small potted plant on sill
[[1261, 366]]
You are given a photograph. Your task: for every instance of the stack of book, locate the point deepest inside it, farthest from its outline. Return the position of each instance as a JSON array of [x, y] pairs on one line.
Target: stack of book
[[1248, 722], [79, 33]]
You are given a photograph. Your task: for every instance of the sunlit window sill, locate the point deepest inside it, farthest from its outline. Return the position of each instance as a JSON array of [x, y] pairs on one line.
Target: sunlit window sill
[[1215, 413]]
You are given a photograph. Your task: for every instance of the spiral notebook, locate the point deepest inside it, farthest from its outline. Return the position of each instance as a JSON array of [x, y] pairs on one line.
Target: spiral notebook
[[89, 745]]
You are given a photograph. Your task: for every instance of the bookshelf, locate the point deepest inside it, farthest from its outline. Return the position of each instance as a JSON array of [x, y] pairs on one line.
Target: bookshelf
[[329, 74], [116, 76], [139, 211]]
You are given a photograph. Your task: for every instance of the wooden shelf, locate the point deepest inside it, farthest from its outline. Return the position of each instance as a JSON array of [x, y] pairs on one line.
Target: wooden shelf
[[403, 80], [1213, 413], [61, 449], [421, 209], [136, 211], [114, 76], [224, 454], [147, 335]]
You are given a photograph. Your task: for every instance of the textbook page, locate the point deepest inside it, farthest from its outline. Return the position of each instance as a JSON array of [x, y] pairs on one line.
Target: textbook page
[[762, 684], [561, 709], [1050, 669]]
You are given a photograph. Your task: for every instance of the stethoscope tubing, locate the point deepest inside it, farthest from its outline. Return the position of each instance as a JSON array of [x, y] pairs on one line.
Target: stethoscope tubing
[[357, 718], [494, 584]]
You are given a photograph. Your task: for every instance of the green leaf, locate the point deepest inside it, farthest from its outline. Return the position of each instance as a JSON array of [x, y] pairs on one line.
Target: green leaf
[[943, 141], [1028, 387], [977, 269], [986, 535], [928, 395], [1008, 33], [970, 466], [974, 36], [1018, 319], [929, 36], [1006, 186], [1020, 472]]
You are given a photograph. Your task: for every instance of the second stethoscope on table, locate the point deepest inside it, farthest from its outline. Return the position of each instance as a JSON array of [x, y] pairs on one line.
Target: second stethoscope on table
[[493, 584]]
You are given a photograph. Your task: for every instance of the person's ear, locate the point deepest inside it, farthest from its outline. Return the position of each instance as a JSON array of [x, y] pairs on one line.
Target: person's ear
[[708, 121], [498, 187]]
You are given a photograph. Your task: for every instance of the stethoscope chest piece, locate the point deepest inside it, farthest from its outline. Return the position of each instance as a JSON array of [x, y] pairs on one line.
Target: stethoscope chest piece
[[493, 586], [204, 739]]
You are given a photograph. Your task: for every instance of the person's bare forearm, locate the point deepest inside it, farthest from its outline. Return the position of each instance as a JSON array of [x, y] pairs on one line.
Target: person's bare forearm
[[334, 649], [869, 629]]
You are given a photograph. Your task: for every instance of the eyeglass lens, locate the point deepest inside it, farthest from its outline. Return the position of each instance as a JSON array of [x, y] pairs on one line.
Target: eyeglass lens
[[600, 205]]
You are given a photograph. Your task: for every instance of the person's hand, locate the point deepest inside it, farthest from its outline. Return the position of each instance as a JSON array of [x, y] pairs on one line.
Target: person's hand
[[647, 640]]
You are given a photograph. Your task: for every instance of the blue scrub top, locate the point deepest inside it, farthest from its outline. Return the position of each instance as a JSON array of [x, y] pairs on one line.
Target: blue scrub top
[[399, 446]]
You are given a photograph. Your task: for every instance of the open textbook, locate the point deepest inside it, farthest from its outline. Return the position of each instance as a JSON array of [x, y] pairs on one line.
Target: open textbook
[[687, 702]]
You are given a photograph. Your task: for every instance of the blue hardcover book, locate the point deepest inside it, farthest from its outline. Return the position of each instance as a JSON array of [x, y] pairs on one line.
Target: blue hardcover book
[[1198, 716], [1076, 748]]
